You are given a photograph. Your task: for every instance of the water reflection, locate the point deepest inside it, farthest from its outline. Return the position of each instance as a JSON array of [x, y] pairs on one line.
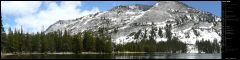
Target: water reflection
[[117, 56]]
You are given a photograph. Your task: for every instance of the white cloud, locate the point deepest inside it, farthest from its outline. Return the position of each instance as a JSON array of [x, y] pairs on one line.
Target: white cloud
[[6, 25], [19, 8], [70, 4], [66, 10]]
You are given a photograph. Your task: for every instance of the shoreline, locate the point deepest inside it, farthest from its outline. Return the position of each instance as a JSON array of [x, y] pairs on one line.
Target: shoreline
[[6, 54]]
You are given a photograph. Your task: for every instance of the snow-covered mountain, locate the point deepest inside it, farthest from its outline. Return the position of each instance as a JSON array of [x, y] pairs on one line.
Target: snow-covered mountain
[[188, 24]]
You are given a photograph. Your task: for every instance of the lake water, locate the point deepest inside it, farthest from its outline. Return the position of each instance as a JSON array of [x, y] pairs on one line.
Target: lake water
[[117, 56]]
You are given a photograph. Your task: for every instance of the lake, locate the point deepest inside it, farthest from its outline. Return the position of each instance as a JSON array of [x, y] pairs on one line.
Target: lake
[[117, 56]]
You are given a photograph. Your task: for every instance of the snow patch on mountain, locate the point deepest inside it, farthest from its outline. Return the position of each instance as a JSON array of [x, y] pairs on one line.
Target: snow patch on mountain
[[186, 23]]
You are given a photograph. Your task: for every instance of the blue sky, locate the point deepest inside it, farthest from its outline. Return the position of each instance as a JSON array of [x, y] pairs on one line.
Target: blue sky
[[213, 7], [33, 15], [107, 5], [209, 6]]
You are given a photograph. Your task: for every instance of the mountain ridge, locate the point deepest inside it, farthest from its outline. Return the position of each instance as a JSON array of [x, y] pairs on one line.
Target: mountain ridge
[[186, 22]]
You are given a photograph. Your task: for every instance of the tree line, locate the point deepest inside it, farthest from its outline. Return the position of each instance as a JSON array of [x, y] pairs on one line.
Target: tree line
[[58, 41], [207, 46], [149, 44]]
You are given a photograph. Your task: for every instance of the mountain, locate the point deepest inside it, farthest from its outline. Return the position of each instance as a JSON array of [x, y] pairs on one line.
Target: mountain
[[187, 23]]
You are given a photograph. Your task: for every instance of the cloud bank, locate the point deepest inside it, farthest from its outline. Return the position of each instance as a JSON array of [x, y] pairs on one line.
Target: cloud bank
[[34, 15]]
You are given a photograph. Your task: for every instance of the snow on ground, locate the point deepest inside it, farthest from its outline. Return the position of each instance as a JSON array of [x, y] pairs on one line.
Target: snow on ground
[[158, 39], [114, 19], [188, 16], [87, 21], [123, 27], [205, 25], [123, 40], [192, 49], [132, 19], [217, 19], [209, 35], [206, 35], [130, 12], [132, 7], [160, 24], [141, 14]]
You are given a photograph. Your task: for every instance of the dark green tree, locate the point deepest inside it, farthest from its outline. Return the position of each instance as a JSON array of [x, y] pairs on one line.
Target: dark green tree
[[88, 41], [77, 43], [216, 46], [145, 34], [160, 32], [3, 38], [195, 32], [168, 31], [136, 36], [207, 46], [66, 41], [108, 44], [100, 44]]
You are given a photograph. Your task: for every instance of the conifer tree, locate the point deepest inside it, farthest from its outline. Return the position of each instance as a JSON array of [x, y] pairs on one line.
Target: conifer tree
[[160, 32], [3, 37], [168, 31], [77, 43], [136, 36], [88, 41]]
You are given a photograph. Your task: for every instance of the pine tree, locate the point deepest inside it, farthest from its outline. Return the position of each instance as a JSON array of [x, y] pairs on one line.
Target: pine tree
[[176, 45], [77, 43], [160, 32], [24, 39], [136, 36], [50, 38], [26, 42], [66, 41], [37, 43], [17, 42], [152, 34], [216, 46], [58, 41], [3, 38], [168, 31], [115, 30], [21, 40], [145, 34], [108, 45], [206, 46], [10, 47], [195, 32], [100, 43], [88, 41], [42, 43]]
